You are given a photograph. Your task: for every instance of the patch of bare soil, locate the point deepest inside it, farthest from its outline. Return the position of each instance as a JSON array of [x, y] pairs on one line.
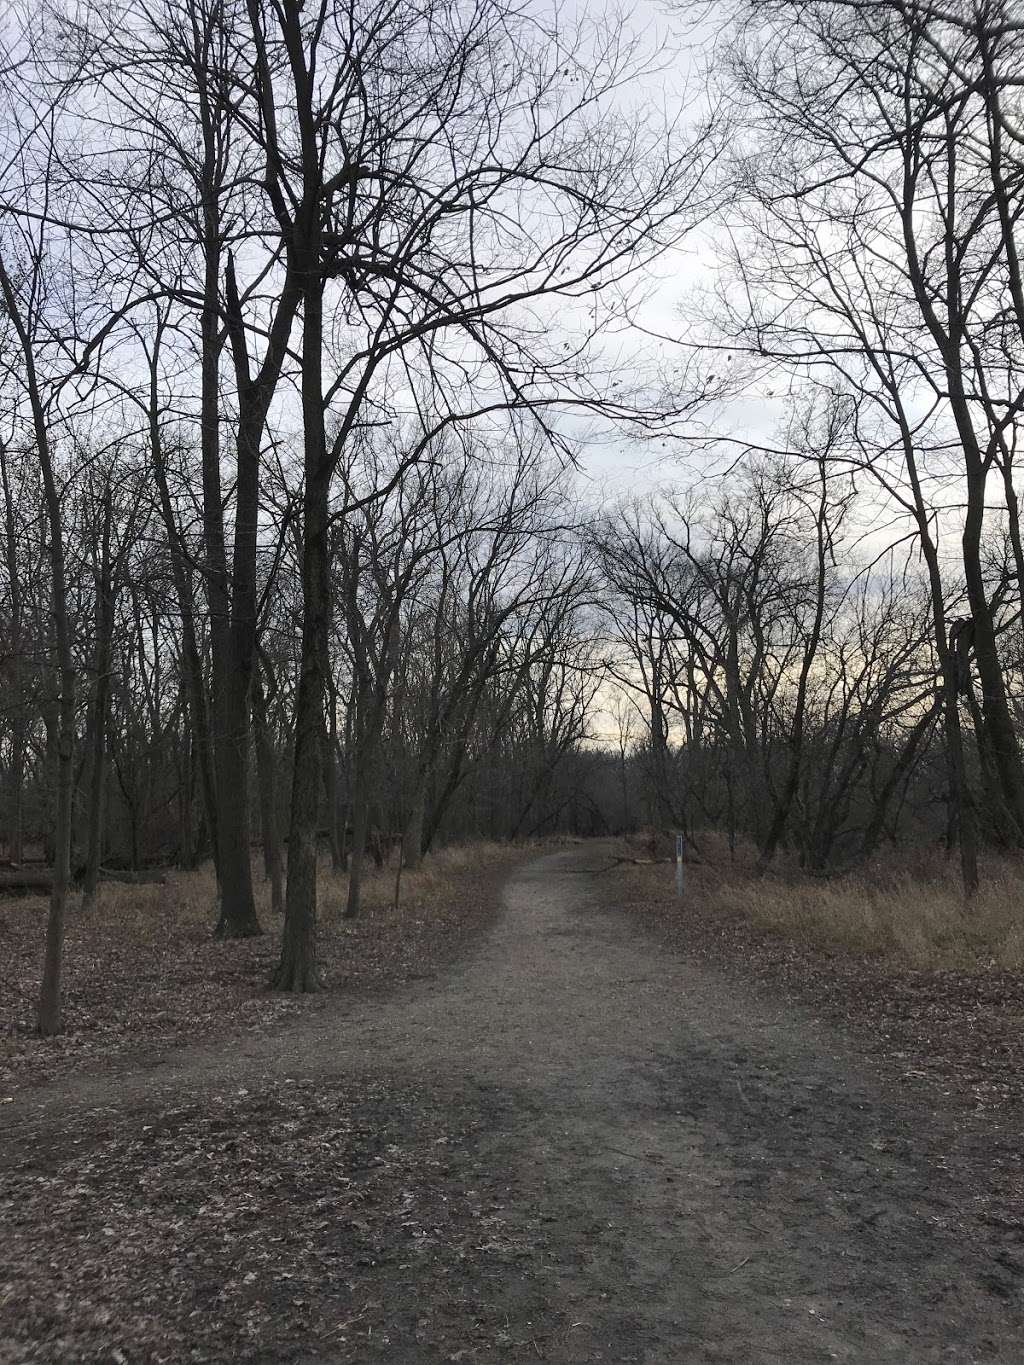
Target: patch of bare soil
[[572, 1145]]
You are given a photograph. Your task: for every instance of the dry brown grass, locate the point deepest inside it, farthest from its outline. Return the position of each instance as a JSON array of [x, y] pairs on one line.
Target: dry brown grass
[[144, 970], [906, 908], [188, 897], [888, 954]]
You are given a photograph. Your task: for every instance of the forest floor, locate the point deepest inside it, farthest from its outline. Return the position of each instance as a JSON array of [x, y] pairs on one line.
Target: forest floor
[[144, 974], [603, 1131]]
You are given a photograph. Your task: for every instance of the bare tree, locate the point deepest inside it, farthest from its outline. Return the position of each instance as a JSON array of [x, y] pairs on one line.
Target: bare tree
[[24, 297], [405, 200], [875, 249]]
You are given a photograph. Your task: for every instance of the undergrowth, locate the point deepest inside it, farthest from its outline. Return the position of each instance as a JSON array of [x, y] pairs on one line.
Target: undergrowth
[[906, 906]]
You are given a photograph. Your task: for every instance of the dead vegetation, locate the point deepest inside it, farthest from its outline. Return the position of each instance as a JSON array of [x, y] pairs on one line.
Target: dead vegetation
[[906, 909], [243, 1226], [143, 969], [889, 953]]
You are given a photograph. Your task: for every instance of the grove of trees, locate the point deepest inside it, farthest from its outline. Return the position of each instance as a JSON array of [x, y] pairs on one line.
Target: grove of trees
[[308, 311], [837, 633], [292, 299]]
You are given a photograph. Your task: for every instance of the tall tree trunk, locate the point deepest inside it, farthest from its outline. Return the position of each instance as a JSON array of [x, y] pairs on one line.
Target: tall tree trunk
[[345, 807], [266, 770], [791, 782], [50, 994], [50, 1017], [963, 817], [187, 842], [297, 968], [234, 644], [50, 708], [962, 810], [360, 829], [948, 332], [238, 917], [234, 626], [19, 728], [191, 658], [1007, 788], [99, 707], [330, 768], [232, 608], [412, 838], [228, 817], [16, 827]]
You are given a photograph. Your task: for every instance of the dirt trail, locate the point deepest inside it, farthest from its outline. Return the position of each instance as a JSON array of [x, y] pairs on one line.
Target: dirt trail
[[681, 1174]]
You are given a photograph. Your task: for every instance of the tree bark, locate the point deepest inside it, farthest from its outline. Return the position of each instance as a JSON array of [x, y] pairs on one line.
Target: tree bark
[[234, 647], [19, 728], [412, 838], [50, 1012], [297, 967], [360, 826], [238, 918], [330, 764], [192, 663], [187, 842], [266, 769], [99, 709], [1007, 794]]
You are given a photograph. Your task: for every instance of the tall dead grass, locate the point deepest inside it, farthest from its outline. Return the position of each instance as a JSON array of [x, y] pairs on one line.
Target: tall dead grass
[[190, 897], [433, 884], [906, 907]]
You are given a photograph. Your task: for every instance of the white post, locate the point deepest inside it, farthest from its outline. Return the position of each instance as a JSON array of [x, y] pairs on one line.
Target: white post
[[679, 866]]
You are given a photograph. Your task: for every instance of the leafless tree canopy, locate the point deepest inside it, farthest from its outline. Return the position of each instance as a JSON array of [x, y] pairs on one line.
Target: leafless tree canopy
[[308, 314]]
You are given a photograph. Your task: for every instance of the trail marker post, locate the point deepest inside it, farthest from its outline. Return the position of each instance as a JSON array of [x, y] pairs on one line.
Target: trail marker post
[[679, 866]]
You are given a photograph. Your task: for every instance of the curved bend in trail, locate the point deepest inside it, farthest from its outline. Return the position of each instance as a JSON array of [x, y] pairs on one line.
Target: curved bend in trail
[[685, 1173]]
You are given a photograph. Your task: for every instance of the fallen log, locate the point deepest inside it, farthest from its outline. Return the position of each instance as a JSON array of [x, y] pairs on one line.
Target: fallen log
[[148, 878], [33, 881], [624, 861], [26, 881]]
